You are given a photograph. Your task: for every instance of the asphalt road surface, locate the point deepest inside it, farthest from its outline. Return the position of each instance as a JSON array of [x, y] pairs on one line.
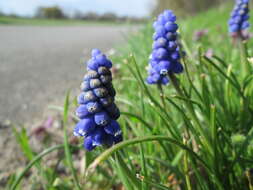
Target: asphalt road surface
[[39, 64]]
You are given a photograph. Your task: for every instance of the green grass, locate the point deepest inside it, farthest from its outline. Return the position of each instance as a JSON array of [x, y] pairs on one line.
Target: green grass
[[6, 20], [195, 134]]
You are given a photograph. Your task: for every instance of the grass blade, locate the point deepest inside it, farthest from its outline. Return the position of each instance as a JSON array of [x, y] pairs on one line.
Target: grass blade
[[33, 162], [126, 143], [66, 142]]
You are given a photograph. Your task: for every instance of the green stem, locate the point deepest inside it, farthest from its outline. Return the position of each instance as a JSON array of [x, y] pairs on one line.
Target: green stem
[[143, 167], [160, 88], [188, 76], [162, 96], [66, 143], [186, 170], [33, 162], [126, 143], [127, 172], [246, 70], [249, 176], [156, 185], [192, 112], [244, 56]]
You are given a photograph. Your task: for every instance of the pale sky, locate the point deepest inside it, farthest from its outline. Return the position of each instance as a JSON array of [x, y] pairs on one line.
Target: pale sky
[[137, 8]]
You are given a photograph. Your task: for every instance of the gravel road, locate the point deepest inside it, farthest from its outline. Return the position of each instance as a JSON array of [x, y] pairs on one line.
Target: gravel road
[[37, 67], [39, 64]]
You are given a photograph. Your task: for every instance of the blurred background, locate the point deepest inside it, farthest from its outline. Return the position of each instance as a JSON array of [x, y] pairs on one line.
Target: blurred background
[[43, 45], [185, 7], [108, 10]]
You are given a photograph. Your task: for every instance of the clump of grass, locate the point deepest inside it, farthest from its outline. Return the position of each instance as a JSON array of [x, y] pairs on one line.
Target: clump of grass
[[200, 137]]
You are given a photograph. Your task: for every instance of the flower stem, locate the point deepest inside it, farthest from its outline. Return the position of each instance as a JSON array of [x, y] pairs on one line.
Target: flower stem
[[126, 171], [186, 168], [244, 55], [67, 145], [249, 176], [192, 112], [160, 88]]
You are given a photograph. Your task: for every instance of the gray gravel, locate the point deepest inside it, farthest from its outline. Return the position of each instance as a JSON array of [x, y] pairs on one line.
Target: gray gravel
[[39, 64]]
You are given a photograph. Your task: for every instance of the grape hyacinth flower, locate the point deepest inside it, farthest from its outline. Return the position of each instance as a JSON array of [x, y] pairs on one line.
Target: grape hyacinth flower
[[238, 21], [97, 111], [165, 56]]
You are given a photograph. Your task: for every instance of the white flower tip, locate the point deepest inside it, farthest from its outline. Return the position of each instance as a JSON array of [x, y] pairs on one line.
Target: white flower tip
[[250, 59], [76, 134], [118, 133]]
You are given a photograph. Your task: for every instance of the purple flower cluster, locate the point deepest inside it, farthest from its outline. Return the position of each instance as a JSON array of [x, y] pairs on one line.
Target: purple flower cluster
[[97, 111], [238, 21], [165, 56]]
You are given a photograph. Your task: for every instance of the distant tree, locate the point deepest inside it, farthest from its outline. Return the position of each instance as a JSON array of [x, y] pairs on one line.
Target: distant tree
[[50, 12], [78, 15], [13, 15], [123, 18], [109, 17], [91, 16]]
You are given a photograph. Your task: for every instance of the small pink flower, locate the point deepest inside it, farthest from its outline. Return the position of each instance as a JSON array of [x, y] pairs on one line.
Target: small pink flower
[[209, 53], [199, 34]]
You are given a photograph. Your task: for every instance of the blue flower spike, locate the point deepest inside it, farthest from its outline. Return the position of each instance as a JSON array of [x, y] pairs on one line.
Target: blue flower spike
[[165, 56], [239, 19], [97, 111]]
